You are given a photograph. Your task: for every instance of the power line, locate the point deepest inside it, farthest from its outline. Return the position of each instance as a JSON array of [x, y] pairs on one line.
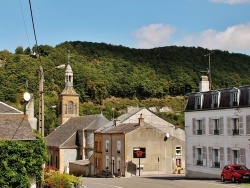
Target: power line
[[34, 30], [24, 23]]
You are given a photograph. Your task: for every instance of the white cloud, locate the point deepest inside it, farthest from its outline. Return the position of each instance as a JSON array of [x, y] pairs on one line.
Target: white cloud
[[231, 2], [233, 39], [153, 35]]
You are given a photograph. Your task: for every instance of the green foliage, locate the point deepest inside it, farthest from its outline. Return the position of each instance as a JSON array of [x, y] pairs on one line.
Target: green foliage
[[20, 160], [19, 50], [103, 71]]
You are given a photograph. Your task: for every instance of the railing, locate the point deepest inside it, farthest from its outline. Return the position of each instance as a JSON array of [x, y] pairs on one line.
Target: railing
[[216, 132], [199, 132], [216, 164], [235, 131], [199, 163]]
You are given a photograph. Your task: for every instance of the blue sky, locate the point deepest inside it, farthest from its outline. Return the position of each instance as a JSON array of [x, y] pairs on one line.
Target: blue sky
[[212, 24]]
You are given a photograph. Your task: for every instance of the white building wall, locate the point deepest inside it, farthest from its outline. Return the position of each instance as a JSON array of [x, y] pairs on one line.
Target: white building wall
[[225, 141]]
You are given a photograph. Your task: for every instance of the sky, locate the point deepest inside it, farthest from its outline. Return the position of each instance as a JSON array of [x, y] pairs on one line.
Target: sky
[[144, 24]]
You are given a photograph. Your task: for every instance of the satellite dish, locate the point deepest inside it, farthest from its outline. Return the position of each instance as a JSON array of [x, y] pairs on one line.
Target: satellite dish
[[167, 135], [26, 96]]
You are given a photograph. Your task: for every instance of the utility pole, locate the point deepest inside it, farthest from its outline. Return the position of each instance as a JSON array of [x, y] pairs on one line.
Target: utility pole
[[209, 70], [41, 101]]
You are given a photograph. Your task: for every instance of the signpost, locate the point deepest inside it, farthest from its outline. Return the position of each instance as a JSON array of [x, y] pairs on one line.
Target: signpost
[[139, 152]]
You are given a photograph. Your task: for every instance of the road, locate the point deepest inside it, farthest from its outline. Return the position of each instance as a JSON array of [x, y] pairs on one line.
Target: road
[[172, 181]]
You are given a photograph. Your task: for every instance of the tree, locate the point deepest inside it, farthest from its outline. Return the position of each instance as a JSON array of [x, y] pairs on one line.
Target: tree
[[19, 50]]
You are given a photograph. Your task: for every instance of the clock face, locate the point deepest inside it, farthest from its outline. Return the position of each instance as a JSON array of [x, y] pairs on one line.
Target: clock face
[[26, 96]]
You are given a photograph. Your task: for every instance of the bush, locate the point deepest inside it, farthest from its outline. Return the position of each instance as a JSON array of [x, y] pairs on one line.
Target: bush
[[54, 179]]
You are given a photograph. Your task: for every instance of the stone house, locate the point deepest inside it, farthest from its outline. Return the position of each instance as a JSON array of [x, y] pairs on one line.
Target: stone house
[[139, 128], [217, 124]]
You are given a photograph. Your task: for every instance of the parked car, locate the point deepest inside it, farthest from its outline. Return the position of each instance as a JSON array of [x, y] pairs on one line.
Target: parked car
[[235, 173]]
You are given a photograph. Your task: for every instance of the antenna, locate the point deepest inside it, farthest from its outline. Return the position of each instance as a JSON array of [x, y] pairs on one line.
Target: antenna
[[209, 70]]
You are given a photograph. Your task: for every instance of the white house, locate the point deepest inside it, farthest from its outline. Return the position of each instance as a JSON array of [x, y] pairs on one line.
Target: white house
[[217, 127]]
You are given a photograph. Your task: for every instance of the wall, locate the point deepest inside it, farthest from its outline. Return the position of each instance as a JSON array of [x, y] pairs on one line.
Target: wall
[[153, 140], [66, 156]]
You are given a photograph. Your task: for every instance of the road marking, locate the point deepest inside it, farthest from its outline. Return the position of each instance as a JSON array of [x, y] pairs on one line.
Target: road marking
[[105, 184], [224, 185]]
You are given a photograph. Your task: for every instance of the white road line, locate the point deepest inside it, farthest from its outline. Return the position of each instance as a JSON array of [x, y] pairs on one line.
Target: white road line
[[105, 184], [224, 185]]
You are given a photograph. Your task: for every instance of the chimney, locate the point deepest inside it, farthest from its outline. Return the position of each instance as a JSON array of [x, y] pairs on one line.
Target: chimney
[[116, 122], [141, 121], [204, 84]]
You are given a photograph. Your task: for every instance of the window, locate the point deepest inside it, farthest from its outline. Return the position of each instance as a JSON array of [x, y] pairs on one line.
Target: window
[[216, 158], [216, 126], [199, 127], [235, 156], [178, 150], [118, 164], [107, 146], [118, 146], [70, 107], [234, 97], [107, 162], [235, 126], [199, 157], [198, 102], [96, 162], [215, 99]]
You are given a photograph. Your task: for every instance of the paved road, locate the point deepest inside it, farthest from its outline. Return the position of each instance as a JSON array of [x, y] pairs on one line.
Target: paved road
[[172, 181]]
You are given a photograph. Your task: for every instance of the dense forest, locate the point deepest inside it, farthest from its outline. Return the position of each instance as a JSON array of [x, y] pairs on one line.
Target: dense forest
[[109, 78]]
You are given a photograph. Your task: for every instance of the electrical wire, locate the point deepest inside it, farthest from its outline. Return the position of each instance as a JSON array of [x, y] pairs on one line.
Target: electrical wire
[[24, 23], [34, 30]]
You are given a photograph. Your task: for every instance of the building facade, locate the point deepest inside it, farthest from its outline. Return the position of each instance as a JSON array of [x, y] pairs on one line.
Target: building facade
[[139, 128], [217, 125]]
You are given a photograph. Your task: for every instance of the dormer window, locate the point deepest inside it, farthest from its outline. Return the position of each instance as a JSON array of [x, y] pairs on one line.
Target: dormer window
[[234, 97], [215, 99], [198, 101]]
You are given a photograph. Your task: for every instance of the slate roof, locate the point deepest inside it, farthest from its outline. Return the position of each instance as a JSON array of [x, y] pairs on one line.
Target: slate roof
[[6, 109], [121, 118], [123, 128], [224, 99], [15, 127], [67, 132]]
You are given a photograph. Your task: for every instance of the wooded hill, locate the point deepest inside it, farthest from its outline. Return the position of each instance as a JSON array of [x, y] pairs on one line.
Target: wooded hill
[[103, 71]]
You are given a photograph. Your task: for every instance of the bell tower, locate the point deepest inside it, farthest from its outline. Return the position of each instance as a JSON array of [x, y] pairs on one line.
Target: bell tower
[[69, 99]]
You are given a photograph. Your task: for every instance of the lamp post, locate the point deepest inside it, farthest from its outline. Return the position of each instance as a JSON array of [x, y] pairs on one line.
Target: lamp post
[[41, 97]]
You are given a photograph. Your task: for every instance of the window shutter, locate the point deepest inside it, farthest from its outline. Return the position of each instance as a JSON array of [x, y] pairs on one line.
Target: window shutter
[[194, 127], [221, 126], [203, 126], [229, 159], [210, 126], [241, 128], [229, 129], [194, 157], [222, 157], [204, 154], [242, 156], [210, 151], [248, 124]]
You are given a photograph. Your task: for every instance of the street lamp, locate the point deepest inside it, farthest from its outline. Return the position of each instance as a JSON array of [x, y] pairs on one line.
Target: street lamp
[[41, 97]]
